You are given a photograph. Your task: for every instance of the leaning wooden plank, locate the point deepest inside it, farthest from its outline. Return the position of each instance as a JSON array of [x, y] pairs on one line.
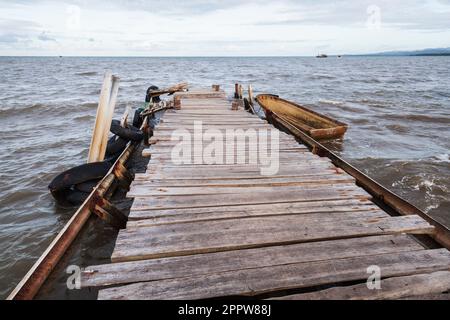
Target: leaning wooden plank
[[196, 201], [207, 237], [391, 288], [319, 218], [100, 123], [252, 282], [347, 205], [179, 267]]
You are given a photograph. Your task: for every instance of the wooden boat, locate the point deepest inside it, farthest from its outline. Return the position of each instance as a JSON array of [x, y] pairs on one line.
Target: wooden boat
[[315, 125]]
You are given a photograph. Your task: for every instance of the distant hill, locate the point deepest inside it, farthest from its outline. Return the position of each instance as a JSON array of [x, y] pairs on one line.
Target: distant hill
[[424, 52]]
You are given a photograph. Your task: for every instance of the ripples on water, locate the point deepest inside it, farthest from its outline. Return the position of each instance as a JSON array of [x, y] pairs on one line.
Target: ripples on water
[[398, 110]]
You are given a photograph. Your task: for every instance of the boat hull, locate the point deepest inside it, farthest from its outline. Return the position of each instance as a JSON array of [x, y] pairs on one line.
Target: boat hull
[[315, 125]]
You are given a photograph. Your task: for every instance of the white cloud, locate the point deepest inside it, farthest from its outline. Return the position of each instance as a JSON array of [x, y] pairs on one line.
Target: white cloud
[[200, 27]]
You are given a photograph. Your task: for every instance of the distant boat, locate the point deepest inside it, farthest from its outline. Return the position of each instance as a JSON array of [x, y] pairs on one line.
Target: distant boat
[[322, 56]]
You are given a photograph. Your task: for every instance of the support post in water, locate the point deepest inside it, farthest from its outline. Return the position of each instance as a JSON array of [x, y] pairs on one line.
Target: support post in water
[[177, 102], [250, 95], [236, 91], [105, 112]]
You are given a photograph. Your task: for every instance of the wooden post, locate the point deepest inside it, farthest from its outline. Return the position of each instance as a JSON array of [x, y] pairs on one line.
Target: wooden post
[[241, 92], [177, 102], [216, 87], [103, 105], [250, 95], [236, 91], [108, 118]]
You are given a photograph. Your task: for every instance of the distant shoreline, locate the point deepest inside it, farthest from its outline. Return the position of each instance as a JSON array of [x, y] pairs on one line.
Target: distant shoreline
[[231, 57]]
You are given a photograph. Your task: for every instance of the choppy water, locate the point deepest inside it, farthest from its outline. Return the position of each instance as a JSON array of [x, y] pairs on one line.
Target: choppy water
[[398, 109]]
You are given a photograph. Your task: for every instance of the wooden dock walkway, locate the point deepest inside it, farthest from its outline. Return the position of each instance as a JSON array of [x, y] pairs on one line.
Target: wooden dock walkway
[[199, 231]]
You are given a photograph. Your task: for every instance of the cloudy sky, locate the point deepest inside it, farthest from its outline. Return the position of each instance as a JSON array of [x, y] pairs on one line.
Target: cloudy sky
[[220, 28]]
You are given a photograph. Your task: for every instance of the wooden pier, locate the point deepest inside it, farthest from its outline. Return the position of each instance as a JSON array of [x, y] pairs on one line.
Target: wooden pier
[[199, 231]]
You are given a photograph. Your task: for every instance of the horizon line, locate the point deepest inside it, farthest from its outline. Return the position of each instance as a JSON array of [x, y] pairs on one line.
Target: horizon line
[[237, 56]]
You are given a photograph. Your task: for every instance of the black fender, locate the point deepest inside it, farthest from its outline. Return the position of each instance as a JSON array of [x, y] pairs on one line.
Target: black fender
[[131, 133], [137, 120], [148, 95], [70, 197], [80, 174], [87, 186], [116, 145]]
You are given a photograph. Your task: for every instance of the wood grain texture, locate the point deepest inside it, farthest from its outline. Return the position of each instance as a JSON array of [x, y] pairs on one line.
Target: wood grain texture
[[391, 288], [201, 230], [257, 209], [188, 266], [252, 282], [216, 236]]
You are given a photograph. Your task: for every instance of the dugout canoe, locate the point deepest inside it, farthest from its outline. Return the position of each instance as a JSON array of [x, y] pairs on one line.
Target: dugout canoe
[[315, 125]]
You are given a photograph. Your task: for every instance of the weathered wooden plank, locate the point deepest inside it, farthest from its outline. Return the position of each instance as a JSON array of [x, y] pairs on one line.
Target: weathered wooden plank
[[196, 201], [290, 145], [295, 181], [252, 282], [258, 210], [144, 192], [217, 236], [174, 219], [391, 288], [169, 164], [168, 135], [319, 218], [188, 266], [208, 170], [233, 174], [306, 175], [286, 157]]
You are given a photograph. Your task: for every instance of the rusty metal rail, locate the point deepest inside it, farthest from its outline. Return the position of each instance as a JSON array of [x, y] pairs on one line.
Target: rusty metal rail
[[394, 202], [95, 203]]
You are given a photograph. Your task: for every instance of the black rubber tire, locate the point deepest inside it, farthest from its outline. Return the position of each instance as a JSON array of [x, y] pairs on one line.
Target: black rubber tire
[[81, 174], [115, 145], [137, 120], [87, 186], [131, 133], [76, 198], [148, 97], [70, 197], [247, 105]]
